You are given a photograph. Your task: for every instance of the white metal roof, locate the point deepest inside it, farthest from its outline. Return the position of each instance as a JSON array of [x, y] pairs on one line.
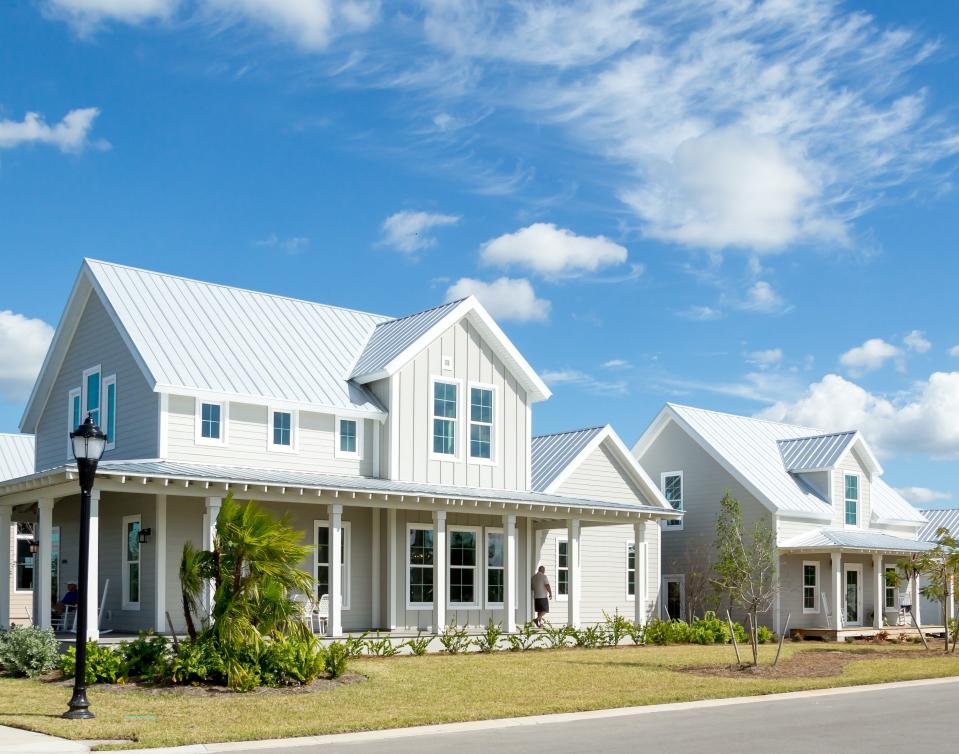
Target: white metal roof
[[945, 518], [853, 539], [551, 454], [815, 453], [16, 456]]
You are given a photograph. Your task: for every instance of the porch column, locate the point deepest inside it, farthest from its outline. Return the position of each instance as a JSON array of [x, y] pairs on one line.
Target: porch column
[[950, 602], [439, 570], [509, 572], [209, 538], [391, 568], [916, 596], [375, 566], [5, 565], [837, 590], [879, 576], [335, 623], [42, 566], [572, 599], [530, 568], [639, 592], [93, 570], [159, 547]]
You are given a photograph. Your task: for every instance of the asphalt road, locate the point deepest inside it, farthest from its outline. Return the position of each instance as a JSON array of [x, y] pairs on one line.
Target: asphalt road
[[916, 718]]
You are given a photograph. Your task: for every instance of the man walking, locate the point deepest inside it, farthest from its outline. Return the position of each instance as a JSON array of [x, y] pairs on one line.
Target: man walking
[[542, 594]]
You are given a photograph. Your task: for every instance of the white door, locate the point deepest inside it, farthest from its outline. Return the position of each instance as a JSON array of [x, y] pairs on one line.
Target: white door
[[853, 595]]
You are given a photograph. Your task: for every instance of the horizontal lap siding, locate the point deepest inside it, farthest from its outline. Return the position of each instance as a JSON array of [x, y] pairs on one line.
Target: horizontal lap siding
[[851, 464]]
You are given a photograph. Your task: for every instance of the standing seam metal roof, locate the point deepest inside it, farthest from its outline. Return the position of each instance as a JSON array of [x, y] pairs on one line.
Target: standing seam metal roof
[[553, 453], [854, 539], [817, 452], [946, 518], [16, 456]]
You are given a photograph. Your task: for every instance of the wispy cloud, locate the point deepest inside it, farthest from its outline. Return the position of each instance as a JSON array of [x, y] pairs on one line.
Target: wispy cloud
[[292, 245], [584, 381], [616, 364], [762, 298], [916, 341], [700, 313], [409, 232], [72, 134], [767, 357], [923, 495]]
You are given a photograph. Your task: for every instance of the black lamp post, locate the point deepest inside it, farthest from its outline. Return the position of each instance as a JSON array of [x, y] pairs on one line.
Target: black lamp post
[[88, 445]]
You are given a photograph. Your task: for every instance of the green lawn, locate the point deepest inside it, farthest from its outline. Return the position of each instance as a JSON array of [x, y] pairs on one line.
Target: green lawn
[[407, 691]]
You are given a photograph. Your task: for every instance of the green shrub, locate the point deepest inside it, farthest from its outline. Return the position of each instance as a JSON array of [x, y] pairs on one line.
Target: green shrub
[[589, 637], [291, 661], [617, 627], [489, 639], [197, 662], [636, 633], [664, 632], [104, 665], [709, 630], [28, 651], [336, 658], [764, 635], [557, 636], [144, 656], [455, 639], [526, 637], [381, 646], [355, 645], [420, 645]]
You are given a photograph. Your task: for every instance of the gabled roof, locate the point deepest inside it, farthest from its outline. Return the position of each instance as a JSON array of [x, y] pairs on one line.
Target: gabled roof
[[825, 451], [947, 518], [555, 457], [751, 451], [853, 539], [395, 342], [16, 456]]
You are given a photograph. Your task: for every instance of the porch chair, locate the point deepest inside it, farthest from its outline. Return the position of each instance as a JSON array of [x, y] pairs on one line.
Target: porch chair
[[323, 613], [100, 612], [825, 609], [62, 620], [308, 611]]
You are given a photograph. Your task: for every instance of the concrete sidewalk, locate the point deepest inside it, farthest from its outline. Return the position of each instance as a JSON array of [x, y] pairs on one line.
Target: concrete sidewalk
[[16, 741]]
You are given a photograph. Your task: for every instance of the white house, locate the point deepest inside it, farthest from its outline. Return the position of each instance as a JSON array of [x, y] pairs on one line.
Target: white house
[[838, 526], [402, 448], [939, 518]]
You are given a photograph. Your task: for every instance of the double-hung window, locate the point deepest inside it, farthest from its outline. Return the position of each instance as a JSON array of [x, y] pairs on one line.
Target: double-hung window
[[349, 438], [211, 423], [25, 558], [481, 423], [419, 566], [810, 587], [562, 569], [282, 430], [131, 562], [322, 568], [91, 394], [672, 482], [462, 559], [495, 568], [110, 410], [889, 602], [851, 511], [444, 418], [631, 570], [74, 415]]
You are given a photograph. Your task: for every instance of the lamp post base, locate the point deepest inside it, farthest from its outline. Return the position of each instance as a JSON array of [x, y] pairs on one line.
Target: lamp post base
[[79, 707]]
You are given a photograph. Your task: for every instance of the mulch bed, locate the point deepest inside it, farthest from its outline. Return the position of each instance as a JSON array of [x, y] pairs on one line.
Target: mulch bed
[[813, 664], [319, 685]]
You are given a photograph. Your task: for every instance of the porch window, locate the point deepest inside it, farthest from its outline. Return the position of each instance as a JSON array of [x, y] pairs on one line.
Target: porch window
[[562, 569], [890, 589], [444, 418], [852, 500], [462, 558], [419, 559], [131, 562], [481, 423], [25, 558], [110, 408], [321, 573], [631, 570], [672, 482], [810, 587], [495, 590]]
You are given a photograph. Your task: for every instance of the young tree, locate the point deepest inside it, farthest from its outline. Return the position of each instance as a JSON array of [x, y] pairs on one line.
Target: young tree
[[696, 564], [940, 566], [745, 568]]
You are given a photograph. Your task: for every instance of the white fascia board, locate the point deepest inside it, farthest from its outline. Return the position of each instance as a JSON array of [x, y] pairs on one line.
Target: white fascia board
[[570, 467], [638, 472], [873, 466], [656, 426]]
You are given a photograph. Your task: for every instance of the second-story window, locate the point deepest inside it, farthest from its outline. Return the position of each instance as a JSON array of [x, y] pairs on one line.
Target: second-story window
[[211, 415], [349, 438], [282, 430], [673, 492], [851, 513], [110, 407], [444, 418], [481, 423], [91, 394]]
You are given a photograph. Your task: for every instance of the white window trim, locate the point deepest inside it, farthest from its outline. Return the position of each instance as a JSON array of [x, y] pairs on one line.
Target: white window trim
[[858, 501], [681, 580], [457, 422], [486, 567], [199, 439], [125, 564], [104, 406], [816, 588], [84, 396], [895, 591], [417, 605], [494, 425], [673, 524], [337, 453], [557, 597], [72, 418], [17, 536], [294, 445], [479, 582], [345, 586], [631, 597]]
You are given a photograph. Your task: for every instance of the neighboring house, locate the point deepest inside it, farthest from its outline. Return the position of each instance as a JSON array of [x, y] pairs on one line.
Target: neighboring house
[[402, 448], [838, 526], [944, 518], [16, 460]]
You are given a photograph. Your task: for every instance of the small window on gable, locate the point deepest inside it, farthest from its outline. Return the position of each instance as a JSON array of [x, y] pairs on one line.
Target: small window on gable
[[851, 511], [91, 394], [349, 438], [110, 410], [672, 482], [74, 415]]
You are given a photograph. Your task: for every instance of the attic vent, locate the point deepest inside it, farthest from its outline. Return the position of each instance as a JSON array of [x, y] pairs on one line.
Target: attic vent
[[447, 363]]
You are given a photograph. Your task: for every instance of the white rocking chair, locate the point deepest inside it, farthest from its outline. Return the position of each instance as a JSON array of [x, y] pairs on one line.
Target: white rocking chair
[[323, 613], [100, 612], [308, 611]]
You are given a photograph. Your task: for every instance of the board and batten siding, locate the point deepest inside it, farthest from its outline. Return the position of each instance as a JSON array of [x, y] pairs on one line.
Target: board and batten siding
[[473, 361], [97, 341], [851, 465], [247, 438]]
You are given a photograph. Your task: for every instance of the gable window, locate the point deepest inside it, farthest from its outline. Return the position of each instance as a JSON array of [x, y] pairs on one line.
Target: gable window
[[481, 423], [349, 438], [851, 485], [419, 566], [74, 415], [631, 570], [889, 601], [562, 569], [495, 586], [91, 394], [25, 559], [810, 587], [110, 410], [131, 562], [672, 482], [462, 558], [444, 418], [283, 430], [211, 423], [322, 566]]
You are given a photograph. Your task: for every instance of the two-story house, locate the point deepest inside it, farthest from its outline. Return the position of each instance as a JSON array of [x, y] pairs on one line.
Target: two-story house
[[402, 448], [838, 526]]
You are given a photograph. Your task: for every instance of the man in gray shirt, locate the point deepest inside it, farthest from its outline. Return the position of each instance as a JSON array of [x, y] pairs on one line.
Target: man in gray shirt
[[542, 594]]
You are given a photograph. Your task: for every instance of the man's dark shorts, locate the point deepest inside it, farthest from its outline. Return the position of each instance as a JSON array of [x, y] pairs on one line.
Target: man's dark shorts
[[541, 604]]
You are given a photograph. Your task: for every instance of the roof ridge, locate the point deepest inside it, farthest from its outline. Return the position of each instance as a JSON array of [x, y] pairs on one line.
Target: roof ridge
[[816, 437], [747, 418], [422, 311], [386, 317], [568, 432]]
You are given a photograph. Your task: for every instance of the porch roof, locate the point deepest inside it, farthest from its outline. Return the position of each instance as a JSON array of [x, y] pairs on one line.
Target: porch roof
[[860, 540], [230, 476]]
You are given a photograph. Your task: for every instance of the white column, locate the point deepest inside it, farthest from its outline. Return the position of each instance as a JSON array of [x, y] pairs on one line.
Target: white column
[[159, 546], [93, 569], [639, 595], [375, 565], [530, 568], [209, 538], [42, 571], [335, 626], [837, 590], [391, 570], [572, 599], [916, 596], [879, 577], [5, 565], [509, 572], [439, 570], [951, 602]]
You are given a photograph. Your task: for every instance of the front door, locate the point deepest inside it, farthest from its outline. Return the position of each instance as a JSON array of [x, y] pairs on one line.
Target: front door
[[853, 595], [674, 598]]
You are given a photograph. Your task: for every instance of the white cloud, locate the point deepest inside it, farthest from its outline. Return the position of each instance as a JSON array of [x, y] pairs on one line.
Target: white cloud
[[552, 251], [69, 135], [23, 345], [915, 341], [505, 298], [762, 298], [762, 386], [584, 381], [870, 356], [768, 357], [923, 495], [954, 351], [86, 15], [409, 231], [292, 245], [700, 313], [616, 364], [921, 420]]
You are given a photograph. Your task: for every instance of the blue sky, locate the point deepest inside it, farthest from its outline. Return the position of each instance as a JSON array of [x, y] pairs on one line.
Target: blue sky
[[743, 206]]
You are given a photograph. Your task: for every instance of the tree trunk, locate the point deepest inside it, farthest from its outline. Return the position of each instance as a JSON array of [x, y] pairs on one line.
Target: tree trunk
[[753, 636], [188, 618]]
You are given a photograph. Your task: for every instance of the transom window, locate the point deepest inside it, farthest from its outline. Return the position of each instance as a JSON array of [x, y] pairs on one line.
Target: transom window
[[444, 418], [890, 588], [673, 492], [562, 568], [810, 587], [25, 558], [419, 553], [462, 568], [481, 423], [630, 569], [131, 562], [852, 500], [283, 428], [495, 558], [322, 573]]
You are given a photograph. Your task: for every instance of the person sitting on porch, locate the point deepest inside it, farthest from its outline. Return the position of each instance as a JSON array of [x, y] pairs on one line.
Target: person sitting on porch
[[542, 594], [68, 599]]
